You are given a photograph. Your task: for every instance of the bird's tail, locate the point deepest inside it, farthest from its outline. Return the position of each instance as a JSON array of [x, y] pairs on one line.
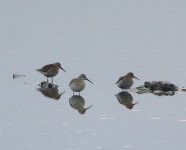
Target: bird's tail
[[38, 70]]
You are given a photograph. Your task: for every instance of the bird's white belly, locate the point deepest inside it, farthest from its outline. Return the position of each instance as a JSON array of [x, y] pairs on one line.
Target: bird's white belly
[[77, 87]]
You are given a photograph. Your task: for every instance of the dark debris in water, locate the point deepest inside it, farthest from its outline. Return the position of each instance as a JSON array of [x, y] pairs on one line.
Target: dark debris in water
[[160, 88], [15, 76]]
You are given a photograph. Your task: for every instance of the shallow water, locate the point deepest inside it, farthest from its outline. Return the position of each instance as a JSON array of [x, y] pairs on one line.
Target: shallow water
[[104, 40]]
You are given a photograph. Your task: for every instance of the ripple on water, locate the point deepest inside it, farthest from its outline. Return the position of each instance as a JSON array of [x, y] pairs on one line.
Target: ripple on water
[[155, 118], [105, 117], [126, 146], [1, 133], [99, 147], [182, 120]]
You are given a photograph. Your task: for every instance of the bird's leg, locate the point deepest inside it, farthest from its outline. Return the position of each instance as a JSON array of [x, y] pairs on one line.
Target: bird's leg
[[79, 93], [47, 79], [52, 80]]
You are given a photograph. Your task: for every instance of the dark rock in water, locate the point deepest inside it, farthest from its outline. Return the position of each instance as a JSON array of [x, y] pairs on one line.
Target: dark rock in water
[[160, 88], [163, 86]]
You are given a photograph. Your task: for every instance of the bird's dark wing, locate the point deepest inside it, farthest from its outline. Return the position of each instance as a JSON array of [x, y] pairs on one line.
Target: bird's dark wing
[[46, 68], [119, 79], [71, 81]]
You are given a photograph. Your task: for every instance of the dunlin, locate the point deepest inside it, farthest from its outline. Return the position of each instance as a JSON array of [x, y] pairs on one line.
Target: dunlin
[[125, 82], [78, 84], [50, 70]]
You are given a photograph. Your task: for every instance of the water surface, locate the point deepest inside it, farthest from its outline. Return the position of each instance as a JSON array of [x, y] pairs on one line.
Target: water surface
[[104, 40]]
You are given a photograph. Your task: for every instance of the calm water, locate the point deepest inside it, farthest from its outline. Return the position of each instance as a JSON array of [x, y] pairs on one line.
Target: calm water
[[104, 40]]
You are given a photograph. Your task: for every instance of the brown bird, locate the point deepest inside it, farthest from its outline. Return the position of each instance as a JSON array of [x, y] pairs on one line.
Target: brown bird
[[50, 70], [125, 82]]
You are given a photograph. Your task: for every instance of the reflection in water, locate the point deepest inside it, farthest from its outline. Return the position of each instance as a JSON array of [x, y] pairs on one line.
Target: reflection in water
[[125, 98], [144, 90], [50, 90], [77, 102]]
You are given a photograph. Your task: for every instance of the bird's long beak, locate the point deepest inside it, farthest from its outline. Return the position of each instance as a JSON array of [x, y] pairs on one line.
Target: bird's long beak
[[136, 78], [135, 103], [89, 80], [62, 69], [84, 110], [89, 107]]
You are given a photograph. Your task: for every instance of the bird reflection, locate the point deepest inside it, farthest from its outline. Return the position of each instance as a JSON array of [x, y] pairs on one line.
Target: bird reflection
[[50, 90], [77, 102], [125, 98]]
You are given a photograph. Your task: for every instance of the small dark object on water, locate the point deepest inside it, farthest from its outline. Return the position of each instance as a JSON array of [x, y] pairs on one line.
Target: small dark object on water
[[15, 76]]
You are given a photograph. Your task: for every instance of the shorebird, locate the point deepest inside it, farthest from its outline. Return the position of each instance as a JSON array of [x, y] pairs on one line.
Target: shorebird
[[78, 84], [50, 70], [125, 82]]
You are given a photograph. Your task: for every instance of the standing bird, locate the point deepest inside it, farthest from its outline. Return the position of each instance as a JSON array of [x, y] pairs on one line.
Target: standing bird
[[125, 82], [78, 84], [50, 70]]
